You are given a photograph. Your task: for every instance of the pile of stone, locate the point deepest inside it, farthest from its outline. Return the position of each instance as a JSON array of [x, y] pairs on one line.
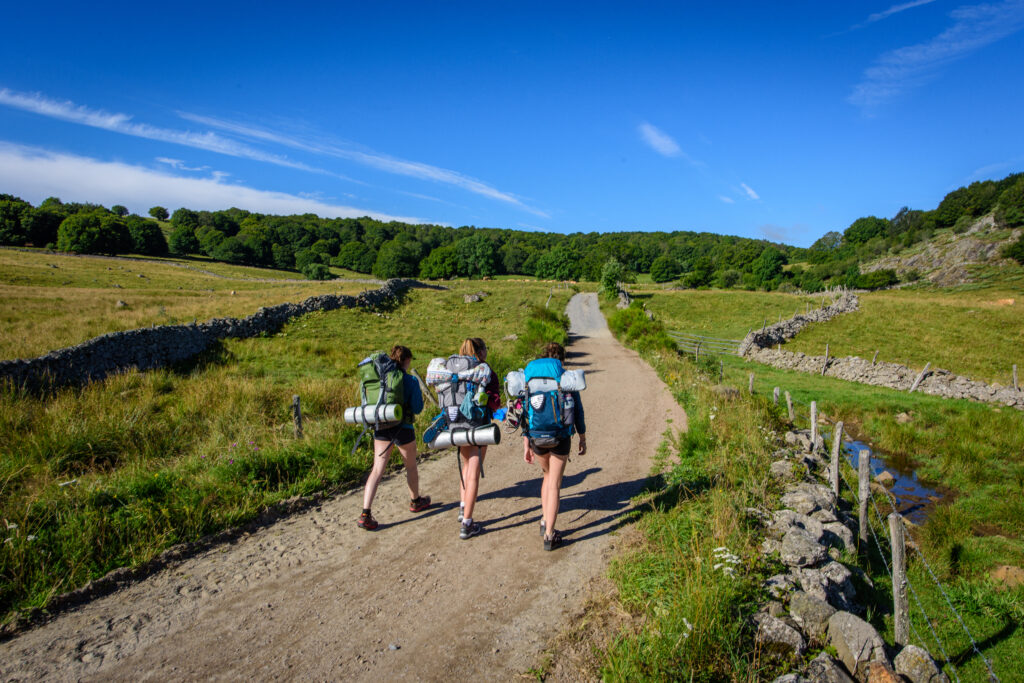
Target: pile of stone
[[813, 604], [781, 332], [162, 346]]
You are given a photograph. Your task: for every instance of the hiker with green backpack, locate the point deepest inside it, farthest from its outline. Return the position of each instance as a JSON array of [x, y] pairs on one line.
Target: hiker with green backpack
[[391, 399]]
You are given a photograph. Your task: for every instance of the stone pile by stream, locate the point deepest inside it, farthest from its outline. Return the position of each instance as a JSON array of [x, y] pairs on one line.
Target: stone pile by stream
[[162, 346], [814, 604], [757, 346]]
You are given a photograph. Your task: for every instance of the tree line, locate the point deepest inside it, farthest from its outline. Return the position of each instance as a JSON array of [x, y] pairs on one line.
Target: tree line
[[311, 245]]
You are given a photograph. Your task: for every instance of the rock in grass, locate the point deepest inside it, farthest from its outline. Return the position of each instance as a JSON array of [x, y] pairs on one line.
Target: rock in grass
[[791, 678], [824, 669], [778, 585], [885, 478], [856, 642], [807, 498], [812, 614], [882, 673], [777, 637], [916, 664], [838, 535]]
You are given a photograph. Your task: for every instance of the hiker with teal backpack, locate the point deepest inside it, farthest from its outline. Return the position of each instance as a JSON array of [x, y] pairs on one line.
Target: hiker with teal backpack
[[385, 384], [552, 413]]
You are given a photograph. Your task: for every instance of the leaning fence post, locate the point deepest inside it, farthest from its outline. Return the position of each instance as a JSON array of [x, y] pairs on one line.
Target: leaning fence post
[[1016, 387], [874, 358], [696, 353], [863, 491], [789, 406], [297, 416], [837, 445], [423, 387], [775, 396], [920, 377], [814, 425], [900, 606], [825, 364], [721, 371], [750, 384]]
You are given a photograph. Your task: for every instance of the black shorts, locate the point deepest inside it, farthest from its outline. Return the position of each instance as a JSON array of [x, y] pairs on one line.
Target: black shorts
[[561, 448], [398, 435]]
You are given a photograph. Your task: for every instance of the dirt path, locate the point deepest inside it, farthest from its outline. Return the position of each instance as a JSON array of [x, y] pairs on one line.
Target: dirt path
[[314, 597]]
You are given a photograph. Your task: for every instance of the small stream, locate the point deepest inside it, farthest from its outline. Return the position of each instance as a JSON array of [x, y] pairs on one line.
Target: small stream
[[913, 500]]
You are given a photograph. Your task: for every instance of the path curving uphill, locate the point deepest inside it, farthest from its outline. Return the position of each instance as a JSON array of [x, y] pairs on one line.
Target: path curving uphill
[[314, 597]]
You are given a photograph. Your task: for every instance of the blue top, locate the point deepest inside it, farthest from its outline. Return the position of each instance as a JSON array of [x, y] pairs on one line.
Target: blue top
[[414, 398], [579, 425]]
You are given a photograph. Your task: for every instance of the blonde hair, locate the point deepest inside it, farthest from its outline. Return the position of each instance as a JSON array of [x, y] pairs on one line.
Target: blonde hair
[[473, 346]]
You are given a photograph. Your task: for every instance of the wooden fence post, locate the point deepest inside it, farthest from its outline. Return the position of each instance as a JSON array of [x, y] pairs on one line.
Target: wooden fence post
[[297, 416], [423, 387], [750, 384], [696, 353], [900, 606], [775, 396], [789, 406], [920, 377], [825, 364], [863, 491], [837, 446], [721, 371], [874, 358], [1016, 386], [814, 425]]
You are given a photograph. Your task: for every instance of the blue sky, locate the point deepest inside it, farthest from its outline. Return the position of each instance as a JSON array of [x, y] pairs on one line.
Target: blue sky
[[777, 120]]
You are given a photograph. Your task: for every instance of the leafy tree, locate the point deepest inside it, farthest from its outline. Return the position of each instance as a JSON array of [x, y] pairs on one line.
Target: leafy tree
[[119, 210], [12, 210], [768, 265], [396, 259], [317, 271], [283, 256], [146, 236], [159, 213], [441, 264], [305, 258], [477, 256], [560, 263], [41, 225], [877, 279], [232, 250], [1010, 209], [863, 229], [93, 233], [184, 241], [356, 256], [664, 268], [612, 273], [185, 216], [727, 279], [700, 274], [830, 241]]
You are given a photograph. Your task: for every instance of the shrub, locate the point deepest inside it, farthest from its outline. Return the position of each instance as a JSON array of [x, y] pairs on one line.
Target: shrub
[[317, 271], [93, 233]]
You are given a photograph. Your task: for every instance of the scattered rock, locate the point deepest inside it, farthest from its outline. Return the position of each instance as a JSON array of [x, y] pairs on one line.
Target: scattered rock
[[882, 673], [121, 304], [824, 669], [903, 418], [393, 647], [473, 298], [726, 391], [916, 664], [1008, 575], [885, 478], [510, 337], [779, 585], [775, 636], [791, 678], [856, 642], [811, 614], [783, 469]]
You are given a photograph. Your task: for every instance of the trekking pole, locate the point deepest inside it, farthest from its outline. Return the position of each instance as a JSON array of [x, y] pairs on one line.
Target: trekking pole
[[423, 387]]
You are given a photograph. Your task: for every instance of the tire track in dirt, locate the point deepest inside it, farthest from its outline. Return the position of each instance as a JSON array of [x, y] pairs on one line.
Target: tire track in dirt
[[312, 596]]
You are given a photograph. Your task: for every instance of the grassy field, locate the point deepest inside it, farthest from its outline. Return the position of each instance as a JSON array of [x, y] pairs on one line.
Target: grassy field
[[972, 331], [693, 617], [111, 474], [55, 300]]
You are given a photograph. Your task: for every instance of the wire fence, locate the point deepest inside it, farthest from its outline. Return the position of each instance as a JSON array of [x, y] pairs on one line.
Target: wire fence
[[697, 344], [884, 545]]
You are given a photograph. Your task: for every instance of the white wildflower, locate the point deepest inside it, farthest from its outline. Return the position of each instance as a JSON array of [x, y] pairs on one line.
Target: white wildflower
[[31, 538]]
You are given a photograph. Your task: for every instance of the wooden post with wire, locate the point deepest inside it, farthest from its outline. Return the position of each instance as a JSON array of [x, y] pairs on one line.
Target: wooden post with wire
[[775, 396], [920, 377], [863, 492], [874, 358], [297, 416], [824, 365], [750, 384], [814, 425], [837, 447], [789, 406], [900, 604], [1016, 386]]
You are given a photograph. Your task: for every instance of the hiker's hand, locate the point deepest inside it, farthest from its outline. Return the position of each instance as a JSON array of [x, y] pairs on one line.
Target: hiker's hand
[[527, 455], [583, 444]]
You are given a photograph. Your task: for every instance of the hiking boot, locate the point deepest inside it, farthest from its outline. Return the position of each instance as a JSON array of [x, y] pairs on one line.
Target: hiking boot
[[469, 530], [419, 504], [366, 521], [554, 541]]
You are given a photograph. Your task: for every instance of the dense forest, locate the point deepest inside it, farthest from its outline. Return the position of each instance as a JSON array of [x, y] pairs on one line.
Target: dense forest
[[310, 244]]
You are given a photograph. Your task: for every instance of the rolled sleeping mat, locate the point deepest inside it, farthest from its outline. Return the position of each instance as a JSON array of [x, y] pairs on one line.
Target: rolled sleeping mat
[[573, 380], [373, 414], [488, 435]]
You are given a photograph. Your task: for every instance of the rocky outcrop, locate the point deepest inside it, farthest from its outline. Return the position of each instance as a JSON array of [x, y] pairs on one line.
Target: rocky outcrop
[[155, 347]]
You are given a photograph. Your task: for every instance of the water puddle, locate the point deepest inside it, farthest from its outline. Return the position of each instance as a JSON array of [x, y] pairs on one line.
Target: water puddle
[[913, 500]]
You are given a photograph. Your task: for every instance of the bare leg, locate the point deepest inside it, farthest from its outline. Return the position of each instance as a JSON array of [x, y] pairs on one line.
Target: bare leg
[[412, 474], [469, 485], [551, 489], [381, 450]]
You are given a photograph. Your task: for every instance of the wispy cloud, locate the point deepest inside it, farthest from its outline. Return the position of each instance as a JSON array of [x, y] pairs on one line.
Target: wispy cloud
[[36, 173], [895, 9], [775, 233], [750, 193], [372, 159], [974, 27], [179, 165], [727, 200], [122, 123], [659, 141]]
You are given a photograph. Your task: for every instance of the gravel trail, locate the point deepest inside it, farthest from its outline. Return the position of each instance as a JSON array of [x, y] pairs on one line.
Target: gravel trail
[[314, 597]]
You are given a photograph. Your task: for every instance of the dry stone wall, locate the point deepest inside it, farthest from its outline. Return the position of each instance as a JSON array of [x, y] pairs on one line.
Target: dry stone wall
[[156, 347], [758, 345]]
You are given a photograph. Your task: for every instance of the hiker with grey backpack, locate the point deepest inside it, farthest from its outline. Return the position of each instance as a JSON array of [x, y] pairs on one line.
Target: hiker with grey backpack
[[390, 400], [545, 401]]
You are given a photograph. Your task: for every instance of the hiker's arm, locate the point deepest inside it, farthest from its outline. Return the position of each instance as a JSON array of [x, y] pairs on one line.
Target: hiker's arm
[[583, 444], [577, 414]]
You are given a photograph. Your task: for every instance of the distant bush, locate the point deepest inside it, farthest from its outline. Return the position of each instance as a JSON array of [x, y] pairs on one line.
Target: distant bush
[[94, 233], [639, 331], [877, 279], [317, 271], [147, 237], [183, 240], [1015, 250]]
